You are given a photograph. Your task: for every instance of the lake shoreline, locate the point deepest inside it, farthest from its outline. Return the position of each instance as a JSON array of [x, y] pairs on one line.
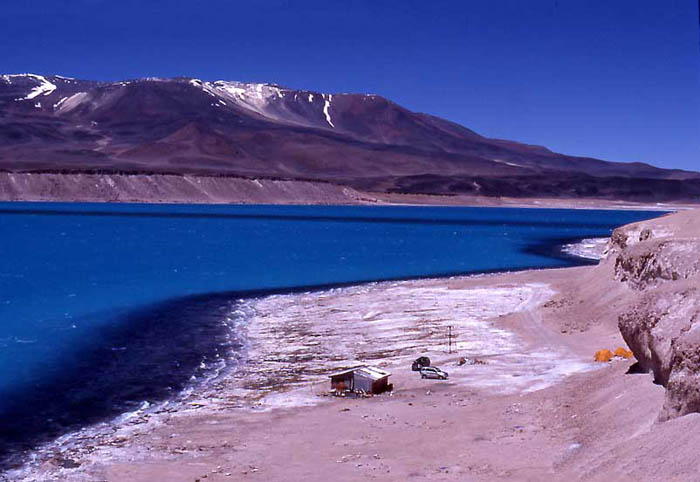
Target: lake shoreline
[[587, 424], [243, 305], [237, 395], [291, 379]]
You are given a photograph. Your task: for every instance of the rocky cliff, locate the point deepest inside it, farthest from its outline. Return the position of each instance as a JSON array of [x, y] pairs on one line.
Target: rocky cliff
[[659, 263]]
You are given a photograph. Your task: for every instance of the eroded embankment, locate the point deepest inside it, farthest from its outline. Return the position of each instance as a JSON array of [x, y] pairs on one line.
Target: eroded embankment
[[659, 261], [648, 286], [144, 187], [170, 188]]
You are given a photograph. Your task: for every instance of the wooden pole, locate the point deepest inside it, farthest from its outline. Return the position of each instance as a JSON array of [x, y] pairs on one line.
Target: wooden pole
[[449, 338]]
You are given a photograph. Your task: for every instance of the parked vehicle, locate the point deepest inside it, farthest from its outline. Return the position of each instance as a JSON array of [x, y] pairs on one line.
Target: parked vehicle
[[419, 363], [433, 372]]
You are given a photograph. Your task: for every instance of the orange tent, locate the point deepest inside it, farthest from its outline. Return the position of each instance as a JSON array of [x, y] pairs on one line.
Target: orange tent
[[623, 352], [603, 355]]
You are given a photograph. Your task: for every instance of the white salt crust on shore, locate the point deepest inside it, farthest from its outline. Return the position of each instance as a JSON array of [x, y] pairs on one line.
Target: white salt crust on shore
[[305, 337], [295, 340], [590, 248]]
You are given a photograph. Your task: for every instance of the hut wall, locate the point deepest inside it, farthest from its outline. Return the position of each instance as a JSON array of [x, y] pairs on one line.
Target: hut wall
[[380, 386], [342, 383], [363, 383]]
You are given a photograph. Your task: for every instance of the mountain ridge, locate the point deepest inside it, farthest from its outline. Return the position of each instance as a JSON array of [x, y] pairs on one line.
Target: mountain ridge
[[365, 141]]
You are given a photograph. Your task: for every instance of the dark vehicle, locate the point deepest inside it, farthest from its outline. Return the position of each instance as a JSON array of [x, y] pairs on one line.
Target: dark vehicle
[[433, 372], [419, 363]]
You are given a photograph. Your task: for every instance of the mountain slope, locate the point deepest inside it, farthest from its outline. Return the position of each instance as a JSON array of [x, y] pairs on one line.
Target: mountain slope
[[187, 126]]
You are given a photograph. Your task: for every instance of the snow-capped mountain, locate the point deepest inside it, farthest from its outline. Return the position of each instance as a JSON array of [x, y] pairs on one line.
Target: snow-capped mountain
[[183, 125]]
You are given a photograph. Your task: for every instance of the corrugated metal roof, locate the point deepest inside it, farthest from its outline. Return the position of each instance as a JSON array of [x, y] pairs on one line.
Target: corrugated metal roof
[[369, 371]]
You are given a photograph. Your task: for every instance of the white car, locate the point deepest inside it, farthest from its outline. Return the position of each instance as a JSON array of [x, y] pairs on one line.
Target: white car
[[433, 372]]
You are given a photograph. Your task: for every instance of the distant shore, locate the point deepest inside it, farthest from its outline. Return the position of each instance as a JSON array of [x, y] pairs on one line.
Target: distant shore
[[207, 189]]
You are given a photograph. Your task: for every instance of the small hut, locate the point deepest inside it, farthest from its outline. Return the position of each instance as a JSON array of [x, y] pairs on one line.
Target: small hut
[[363, 378]]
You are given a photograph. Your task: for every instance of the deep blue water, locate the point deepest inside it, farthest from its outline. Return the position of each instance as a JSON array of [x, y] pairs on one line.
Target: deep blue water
[[103, 306]]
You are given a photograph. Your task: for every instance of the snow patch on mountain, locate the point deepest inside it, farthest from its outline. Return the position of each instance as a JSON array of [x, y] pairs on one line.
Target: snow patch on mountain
[[327, 106], [233, 89], [259, 92], [266, 100], [70, 103], [500, 161], [254, 97], [58, 104], [44, 88], [205, 86]]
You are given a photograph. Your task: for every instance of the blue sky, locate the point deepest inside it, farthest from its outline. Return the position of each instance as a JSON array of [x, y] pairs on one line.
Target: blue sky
[[614, 79]]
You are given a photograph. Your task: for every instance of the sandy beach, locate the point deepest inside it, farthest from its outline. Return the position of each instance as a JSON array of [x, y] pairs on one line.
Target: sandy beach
[[531, 404]]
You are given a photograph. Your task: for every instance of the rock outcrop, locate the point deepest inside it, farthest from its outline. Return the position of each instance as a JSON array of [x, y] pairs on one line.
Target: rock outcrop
[[659, 261]]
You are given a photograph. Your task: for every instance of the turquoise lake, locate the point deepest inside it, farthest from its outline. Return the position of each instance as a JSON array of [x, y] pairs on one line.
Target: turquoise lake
[[103, 306]]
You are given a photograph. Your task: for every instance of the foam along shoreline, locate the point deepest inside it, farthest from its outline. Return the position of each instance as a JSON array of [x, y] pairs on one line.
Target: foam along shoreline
[[295, 340], [211, 350], [588, 248]]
